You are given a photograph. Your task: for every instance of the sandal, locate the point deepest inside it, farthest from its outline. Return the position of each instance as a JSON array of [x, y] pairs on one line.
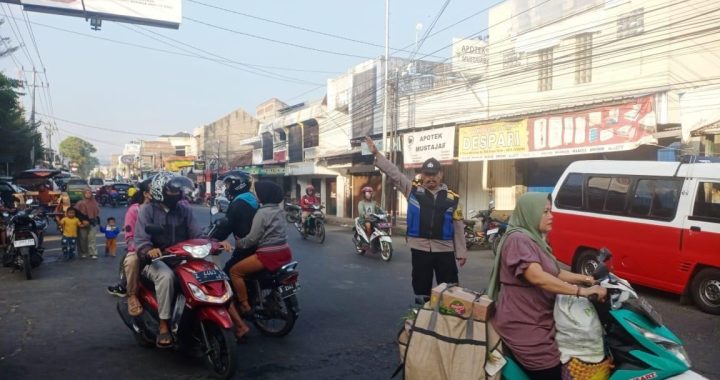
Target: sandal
[[134, 306], [164, 340]]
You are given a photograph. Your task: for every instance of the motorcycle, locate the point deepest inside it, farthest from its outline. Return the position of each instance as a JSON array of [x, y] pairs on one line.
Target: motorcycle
[[314, 224], [491, 230], [378, 241], [272, 295], [25, 234], [200, 323], [638, 343], [292, 212]]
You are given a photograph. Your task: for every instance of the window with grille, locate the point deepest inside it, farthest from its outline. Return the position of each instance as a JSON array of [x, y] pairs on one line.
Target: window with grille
[[546, 70], [583, 58]]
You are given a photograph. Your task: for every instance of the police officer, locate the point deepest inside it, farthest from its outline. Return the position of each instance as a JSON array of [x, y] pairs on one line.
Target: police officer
[[434, 224]]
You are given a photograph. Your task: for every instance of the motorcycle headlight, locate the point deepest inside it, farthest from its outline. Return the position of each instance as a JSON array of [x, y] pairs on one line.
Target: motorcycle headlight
[[198, 251], [200, 295], [672, 346]]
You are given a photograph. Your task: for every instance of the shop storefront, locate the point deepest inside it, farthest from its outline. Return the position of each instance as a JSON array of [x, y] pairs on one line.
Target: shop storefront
[[530, 154]]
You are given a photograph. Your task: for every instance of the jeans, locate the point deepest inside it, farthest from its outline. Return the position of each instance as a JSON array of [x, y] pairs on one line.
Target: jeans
[[68, 247], [163, 277]]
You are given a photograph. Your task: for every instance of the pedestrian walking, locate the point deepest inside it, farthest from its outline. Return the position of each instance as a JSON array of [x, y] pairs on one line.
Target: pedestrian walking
[[88, 212], [434, 224], [111, 232]]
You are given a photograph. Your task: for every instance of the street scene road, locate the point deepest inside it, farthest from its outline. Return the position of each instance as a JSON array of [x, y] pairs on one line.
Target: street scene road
[[63, 324]]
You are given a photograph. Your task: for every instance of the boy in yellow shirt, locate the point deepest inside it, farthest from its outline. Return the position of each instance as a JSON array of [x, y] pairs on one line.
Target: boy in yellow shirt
[[69, 225]]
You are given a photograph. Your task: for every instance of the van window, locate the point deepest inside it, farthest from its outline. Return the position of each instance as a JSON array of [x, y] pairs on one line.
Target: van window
[[570, 193], [707, 202], [617, 194], [597, 188], [655, 198]]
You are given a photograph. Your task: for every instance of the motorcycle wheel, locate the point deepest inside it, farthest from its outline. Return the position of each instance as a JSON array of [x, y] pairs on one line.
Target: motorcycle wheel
[[289, 217], [358, 245], [221, 358], [276, 318], [25, 254], [320, 232], [386, 251], [142, 342]]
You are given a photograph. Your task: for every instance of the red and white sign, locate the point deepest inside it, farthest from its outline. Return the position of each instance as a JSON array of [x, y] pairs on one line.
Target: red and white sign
[[608, 128]]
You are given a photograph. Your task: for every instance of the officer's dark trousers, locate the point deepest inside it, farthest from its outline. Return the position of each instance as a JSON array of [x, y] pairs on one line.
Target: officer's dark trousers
[[425, 264]]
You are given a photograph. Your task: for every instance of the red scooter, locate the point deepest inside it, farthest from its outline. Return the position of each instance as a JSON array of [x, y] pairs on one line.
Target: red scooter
[[200, 323]]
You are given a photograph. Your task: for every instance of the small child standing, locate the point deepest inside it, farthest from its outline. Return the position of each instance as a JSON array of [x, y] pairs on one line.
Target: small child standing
[[111, 232], [69, 225]]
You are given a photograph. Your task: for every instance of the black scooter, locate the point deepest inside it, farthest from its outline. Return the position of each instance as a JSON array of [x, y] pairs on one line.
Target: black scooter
[[25, 232]]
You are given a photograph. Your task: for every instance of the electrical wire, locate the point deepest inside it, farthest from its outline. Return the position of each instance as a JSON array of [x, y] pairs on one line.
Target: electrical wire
[[99, 128]]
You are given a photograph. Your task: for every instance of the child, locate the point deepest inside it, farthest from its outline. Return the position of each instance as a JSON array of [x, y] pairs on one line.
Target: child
[[69, 225], [111, 232]]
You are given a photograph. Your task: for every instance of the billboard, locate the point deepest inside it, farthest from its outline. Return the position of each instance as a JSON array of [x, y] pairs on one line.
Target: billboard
[[608, 128], [164, 13], [419, 146]]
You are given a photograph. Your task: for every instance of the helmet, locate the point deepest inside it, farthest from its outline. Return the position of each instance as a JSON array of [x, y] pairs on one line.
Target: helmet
[[309, 188], [236, 182], [144, 185], [366, 189], [162, 182]]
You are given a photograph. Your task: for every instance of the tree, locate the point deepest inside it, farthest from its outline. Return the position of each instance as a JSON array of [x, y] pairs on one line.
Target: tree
[[19, 138], [79, 151]]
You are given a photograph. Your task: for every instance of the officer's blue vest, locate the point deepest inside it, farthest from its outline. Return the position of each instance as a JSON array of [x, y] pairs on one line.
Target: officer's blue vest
[[431, 217], [249, 198]]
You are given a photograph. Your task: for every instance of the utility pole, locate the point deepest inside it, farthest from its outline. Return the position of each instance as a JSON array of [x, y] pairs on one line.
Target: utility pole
[[32, 118], [383, 200]]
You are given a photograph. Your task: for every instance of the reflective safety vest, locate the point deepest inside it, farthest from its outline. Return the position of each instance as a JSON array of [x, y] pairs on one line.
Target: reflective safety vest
[[429, 216]]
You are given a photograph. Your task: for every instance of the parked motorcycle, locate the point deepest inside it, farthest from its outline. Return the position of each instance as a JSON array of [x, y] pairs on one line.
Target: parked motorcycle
[[272, 295], [200, 323], [378, 241], [314, 224], [638, 343], [25, 233], [490, 232], [292, 212]]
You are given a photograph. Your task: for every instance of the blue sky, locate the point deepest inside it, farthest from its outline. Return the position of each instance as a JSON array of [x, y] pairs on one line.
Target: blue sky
[[109, 85]]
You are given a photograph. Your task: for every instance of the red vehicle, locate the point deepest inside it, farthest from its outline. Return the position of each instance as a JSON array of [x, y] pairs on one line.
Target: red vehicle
[[200, 323], [660, 219]]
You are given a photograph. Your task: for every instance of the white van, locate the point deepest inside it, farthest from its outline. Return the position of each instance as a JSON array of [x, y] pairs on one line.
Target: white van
[[661, 221]]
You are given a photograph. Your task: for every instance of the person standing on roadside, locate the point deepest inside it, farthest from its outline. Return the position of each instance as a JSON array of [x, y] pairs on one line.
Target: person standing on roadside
[[434, 224], [88, 212]]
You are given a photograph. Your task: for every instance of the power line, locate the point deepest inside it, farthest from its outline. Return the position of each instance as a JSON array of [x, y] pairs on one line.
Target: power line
[[430, 28], [274, 40], [99, 128]]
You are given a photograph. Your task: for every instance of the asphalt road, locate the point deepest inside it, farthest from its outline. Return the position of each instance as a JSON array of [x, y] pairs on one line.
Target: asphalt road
[[63, 324]]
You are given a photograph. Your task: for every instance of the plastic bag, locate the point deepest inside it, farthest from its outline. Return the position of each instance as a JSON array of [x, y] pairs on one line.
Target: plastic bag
[[579, 332]]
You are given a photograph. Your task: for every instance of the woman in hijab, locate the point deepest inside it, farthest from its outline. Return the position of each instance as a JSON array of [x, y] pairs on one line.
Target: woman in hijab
[[525, 280], [269, 234]]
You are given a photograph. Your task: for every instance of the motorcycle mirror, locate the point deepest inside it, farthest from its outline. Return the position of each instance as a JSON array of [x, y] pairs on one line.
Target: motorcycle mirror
[[154, 230], [214, 210]]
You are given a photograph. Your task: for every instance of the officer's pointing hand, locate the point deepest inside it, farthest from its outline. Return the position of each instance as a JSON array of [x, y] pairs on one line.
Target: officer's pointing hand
[[371, 145]]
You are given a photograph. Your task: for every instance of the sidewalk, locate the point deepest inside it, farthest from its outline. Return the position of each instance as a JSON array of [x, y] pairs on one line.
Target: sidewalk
[[399, 230]]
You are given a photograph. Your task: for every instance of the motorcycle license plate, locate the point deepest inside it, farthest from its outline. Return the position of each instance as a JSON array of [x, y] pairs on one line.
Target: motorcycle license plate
[[210, 275], [287, 290], [493, 231], [384, 225], [24, 243]]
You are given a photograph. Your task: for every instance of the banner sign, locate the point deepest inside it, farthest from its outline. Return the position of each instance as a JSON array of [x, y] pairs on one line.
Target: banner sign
[[199, 165], [603, 129], [419, 146], [163, 13], [494, 141]]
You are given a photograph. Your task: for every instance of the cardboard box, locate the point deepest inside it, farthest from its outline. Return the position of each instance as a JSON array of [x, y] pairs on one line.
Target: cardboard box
[[461, 302]]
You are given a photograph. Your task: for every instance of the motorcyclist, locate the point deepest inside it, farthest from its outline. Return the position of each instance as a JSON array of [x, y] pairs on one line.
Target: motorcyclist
[[366, 207], [240, 214], [179, 224], [307, 201]]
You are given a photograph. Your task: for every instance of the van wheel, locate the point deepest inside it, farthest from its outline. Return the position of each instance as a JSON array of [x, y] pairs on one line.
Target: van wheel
[[705, 290], [586, 262]]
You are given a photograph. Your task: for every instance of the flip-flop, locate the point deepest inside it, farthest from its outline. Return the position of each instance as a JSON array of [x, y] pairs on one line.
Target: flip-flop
[[164, 336]]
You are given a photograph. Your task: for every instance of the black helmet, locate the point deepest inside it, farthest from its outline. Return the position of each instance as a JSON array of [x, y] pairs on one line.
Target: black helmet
[[236, 182], [162, 182]]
